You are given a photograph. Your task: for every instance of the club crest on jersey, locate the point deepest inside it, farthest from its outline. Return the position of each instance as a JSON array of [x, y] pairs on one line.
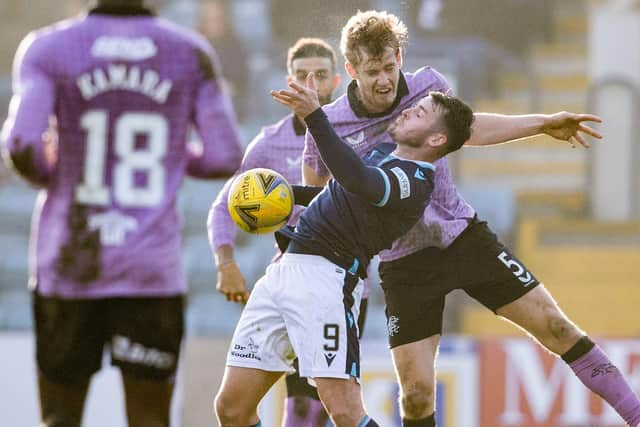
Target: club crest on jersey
[[124, 48]]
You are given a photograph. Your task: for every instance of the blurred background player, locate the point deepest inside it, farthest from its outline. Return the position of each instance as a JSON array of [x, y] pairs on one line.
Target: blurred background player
[[278, 147], [451, 248], [124, 87], [216, 24]]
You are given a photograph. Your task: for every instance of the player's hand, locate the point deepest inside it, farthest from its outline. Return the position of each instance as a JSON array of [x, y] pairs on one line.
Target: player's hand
[[302, 100], [231, 283], [571, 127]]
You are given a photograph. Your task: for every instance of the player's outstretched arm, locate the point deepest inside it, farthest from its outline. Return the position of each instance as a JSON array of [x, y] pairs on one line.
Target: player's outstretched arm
[[345, 165], [490, 129], [25, 145]]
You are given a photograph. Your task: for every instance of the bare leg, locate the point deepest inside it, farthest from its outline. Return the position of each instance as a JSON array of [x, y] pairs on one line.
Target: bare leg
[[415, 370], [236, 404]]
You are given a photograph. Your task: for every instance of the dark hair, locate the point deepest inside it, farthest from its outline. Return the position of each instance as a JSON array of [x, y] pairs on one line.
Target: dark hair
[[372, 32], [308, 47], [457, 117]]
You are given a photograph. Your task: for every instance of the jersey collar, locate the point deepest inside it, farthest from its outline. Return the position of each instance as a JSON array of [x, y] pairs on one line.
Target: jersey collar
[[121, 10], [358, 107], [424, 165]]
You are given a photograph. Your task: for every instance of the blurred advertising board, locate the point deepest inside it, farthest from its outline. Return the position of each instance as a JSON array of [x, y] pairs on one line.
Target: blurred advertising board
[[501, 382]]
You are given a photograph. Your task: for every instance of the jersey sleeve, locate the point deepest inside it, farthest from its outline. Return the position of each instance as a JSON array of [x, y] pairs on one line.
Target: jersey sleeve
[[214, 120], [220, 227], [407, 186], [311, 156], [30, 109], [345, 165]]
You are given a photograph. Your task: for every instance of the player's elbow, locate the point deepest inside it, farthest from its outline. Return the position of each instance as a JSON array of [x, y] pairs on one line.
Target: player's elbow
[[23, 159]]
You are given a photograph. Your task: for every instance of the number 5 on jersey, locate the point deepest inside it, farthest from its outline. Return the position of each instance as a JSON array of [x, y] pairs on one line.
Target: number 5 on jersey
[[129, 159], [516, 268]]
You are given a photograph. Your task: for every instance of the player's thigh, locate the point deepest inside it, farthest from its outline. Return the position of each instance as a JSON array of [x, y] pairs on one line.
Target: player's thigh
[[538, 313], [242, 389], [70, 336], [320, 303], [148, 402], [414, 364], [146, 336], [342, 398], [261, 340], [488, 271]]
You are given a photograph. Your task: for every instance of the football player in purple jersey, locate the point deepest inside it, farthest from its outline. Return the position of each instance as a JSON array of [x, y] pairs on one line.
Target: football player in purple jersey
[[451, 248], [278, 147], [124, 87]]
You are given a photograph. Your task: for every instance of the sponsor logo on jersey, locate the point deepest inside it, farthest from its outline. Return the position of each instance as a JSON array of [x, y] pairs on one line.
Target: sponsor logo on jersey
[[294, 161], [132, 352], [113, 227], [124, 48], [356, 139], [248, 351], [329, 358], [403, 181]]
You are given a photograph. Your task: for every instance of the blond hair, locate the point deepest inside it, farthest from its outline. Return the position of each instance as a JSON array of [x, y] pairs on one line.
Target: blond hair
[[371, 32]]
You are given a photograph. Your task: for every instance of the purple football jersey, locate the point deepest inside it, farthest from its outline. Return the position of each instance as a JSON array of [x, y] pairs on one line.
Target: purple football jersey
[[448, 213], [125, 91], [278, 147]]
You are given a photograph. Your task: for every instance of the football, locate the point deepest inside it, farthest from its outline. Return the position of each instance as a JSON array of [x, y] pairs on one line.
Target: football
[[260, 200]]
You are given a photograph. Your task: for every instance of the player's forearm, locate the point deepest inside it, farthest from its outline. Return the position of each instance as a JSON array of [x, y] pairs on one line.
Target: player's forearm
[[220, 227], [491, 129], [27, 158], [345, 165], [221, 151], [224, 255]]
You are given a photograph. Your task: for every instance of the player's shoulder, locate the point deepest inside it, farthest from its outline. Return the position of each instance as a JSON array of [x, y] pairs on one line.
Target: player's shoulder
[[409, 172], [339, 110], [426, 79], [181, 34], [274, 133], [50, 37]]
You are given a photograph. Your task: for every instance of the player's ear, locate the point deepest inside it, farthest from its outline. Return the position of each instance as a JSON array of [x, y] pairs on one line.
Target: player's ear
[[351, 70], [437, 139], [399, 57], [336, 82]]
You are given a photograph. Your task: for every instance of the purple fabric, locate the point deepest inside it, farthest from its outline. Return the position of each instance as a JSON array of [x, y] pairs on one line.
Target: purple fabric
[[448, 213], [276, 147], [305, 412], [596, 371], [125, 91]]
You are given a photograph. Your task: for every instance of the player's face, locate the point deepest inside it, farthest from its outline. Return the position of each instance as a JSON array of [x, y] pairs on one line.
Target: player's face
[[377, 79], [417, 123], [325, 77]]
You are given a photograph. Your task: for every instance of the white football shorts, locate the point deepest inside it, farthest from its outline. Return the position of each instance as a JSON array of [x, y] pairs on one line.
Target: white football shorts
[[306, 307]]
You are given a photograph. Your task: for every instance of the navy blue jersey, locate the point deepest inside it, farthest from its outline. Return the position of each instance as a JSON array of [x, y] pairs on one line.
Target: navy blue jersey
[[345, 227]]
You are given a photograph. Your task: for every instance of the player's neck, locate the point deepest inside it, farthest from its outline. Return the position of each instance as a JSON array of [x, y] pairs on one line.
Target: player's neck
[[412, 153]]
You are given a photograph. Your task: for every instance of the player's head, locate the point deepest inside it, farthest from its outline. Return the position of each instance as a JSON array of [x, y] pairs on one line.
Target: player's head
[[372, 43], [438, 123], [314, 55]]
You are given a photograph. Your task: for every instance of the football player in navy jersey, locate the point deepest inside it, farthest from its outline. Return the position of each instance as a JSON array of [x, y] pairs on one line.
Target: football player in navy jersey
[[306, 305]]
